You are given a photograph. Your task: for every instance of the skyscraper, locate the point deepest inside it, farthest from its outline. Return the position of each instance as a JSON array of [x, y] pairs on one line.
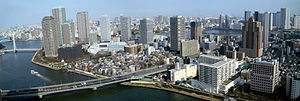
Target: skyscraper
[[296, 21], [227, 21], [83, 26], [125, 28], [105, 28], [252, 38], [196, 31], [266, 23], [271, 17], [247, 15], [50, 32], [256, 15], [60, 15], [146, 28], [68, 29], [177, 32], [276, 19], [285, 18], [221, 21]]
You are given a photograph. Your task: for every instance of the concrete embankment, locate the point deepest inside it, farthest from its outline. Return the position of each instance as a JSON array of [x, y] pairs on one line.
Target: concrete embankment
[[41, 64], [152, 86]]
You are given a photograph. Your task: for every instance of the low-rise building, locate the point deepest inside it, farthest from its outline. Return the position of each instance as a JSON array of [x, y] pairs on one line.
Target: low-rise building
[[210, 45], [131, 49], [240, 56], [182, 74], [231, 54]]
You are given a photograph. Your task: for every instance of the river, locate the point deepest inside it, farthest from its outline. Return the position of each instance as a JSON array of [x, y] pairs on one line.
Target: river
[[15, 74]]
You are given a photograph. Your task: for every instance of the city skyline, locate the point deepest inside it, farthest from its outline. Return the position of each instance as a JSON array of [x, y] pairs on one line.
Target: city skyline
[[32, 14]]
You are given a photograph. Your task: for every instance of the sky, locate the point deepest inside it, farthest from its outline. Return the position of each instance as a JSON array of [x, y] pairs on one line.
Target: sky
[[27, 12]]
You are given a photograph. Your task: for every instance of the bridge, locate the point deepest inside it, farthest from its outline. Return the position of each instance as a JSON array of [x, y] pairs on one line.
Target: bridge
[[15, 50], [20, 50], [81, 85]]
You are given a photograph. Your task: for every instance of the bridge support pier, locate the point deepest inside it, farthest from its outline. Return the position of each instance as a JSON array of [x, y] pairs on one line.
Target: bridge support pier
[[40, 96], [95, 88]]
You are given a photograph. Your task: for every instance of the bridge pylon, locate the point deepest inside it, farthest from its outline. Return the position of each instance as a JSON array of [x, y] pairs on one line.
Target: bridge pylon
[[14, 44]]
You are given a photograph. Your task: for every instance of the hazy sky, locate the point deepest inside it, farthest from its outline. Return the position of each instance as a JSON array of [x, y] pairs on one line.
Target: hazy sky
[[28, 12]]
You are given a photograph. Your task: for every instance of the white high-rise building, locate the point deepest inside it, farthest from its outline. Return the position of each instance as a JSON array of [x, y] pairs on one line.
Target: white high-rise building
[[296, 22], [293, 85], [213, 71], [146, 28], [271, 17], [285, 18], [50, 33], [125, 28], [105, 28], [83, 26], [60, 17]]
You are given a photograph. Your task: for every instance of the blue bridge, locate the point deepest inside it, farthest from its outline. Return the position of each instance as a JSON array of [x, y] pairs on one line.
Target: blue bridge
[[89, 84]]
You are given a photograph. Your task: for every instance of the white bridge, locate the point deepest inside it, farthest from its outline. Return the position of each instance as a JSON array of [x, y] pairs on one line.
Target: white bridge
[[20, 50], [14, 50]]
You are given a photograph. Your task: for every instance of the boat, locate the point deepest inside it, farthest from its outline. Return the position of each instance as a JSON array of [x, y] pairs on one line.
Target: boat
[[34, 72]]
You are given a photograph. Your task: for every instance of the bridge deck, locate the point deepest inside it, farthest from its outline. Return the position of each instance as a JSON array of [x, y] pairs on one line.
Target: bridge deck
[[88, 84]]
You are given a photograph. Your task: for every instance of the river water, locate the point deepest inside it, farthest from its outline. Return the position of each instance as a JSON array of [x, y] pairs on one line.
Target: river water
[[15, 74]]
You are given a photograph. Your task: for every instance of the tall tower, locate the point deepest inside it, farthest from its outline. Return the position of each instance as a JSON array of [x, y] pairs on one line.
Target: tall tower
[[105, 28], [221, 21], [196, 31], [50, 38], [68, 32], [60, 16], [277, 19], [83, 26], [252, 38], [285, 18], [125, 28], [146, 28], [227, 21], [266, 20], [297, 21], [247, 15], [177, 32]]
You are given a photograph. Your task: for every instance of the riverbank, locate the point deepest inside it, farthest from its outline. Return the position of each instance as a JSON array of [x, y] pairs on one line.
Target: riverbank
[[42, 64], [56, 68], [174, 90]]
